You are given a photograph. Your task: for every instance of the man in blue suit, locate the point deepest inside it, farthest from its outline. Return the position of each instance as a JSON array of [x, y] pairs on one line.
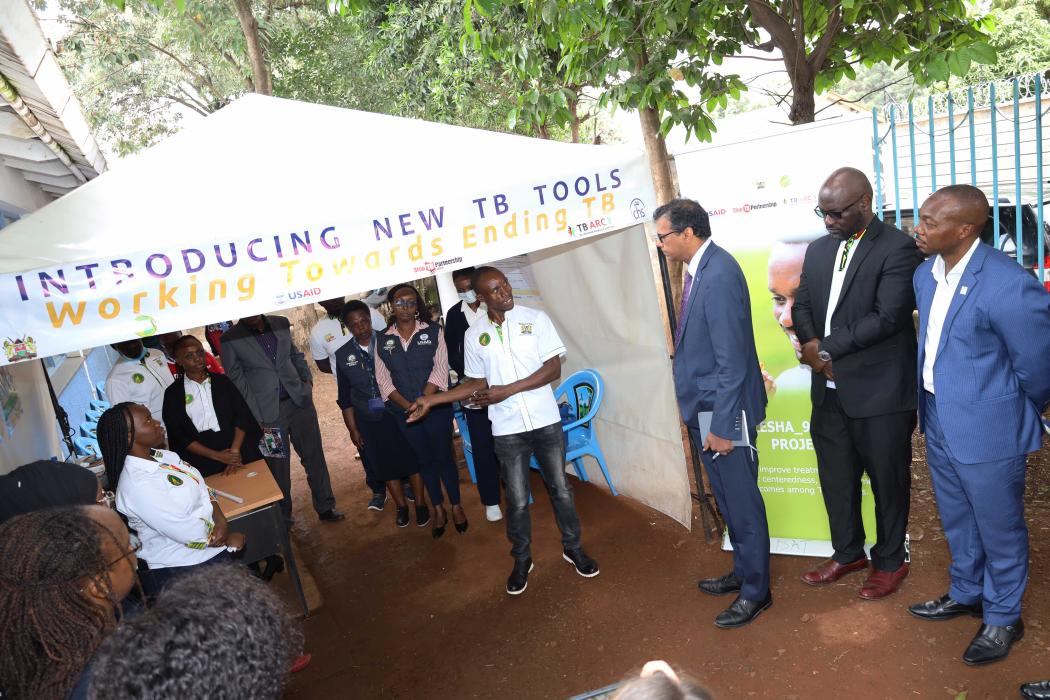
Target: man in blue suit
[[716, 370], [984, 380]]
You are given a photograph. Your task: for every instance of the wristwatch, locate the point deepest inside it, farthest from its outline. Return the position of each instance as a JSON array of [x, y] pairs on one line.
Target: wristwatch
[[824, 355]]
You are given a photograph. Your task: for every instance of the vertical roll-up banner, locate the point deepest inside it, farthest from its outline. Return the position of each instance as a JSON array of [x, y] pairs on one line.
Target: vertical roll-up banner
[[760, 194]]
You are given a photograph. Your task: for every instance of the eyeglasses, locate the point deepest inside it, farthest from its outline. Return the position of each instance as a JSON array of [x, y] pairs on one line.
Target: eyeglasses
[[661, 236], [136, 547], [406, 304], [837, 214]]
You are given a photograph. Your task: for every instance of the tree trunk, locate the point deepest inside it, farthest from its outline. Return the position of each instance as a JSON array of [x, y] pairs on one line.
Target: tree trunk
[[660, 167], [256, 53], [803, 101], [574, 108]]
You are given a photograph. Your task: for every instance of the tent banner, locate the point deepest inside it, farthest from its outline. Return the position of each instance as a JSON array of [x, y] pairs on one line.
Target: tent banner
[[161, 279], [765, 218]]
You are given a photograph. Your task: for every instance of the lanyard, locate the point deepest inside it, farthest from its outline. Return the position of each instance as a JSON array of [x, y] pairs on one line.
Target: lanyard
[[499, 332], [368, 360]]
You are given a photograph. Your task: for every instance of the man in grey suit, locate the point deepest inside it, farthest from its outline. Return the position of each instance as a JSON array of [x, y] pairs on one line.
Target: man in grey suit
[[716, 372], [260, 358]]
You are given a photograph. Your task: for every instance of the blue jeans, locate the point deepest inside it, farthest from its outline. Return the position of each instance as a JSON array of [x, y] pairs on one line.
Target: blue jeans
[[514, 451]]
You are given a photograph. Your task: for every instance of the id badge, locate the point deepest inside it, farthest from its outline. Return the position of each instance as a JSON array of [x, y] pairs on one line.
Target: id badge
[[272, 444], [376, 405]]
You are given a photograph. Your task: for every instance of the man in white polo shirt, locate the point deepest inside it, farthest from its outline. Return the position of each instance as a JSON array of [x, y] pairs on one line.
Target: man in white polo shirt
[[511, 356], [140, 376]]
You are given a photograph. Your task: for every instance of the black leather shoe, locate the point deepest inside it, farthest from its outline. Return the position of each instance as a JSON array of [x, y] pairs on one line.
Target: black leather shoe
[[422, 516], [584, 565], [993, 643], [742, 612], [332, 516], [518, 580], [945, 608], [1039, 690], [720, 586]]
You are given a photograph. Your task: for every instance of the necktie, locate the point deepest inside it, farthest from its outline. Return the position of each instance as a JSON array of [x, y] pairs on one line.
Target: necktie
[[845, 249], [681, 311]]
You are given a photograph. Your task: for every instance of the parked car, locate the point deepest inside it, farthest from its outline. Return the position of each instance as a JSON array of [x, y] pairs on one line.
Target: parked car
[[1007, 233]]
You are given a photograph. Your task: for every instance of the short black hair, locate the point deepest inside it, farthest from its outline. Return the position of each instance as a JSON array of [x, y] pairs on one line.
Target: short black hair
[[683, 214], [215, 633], [481, 272], [352, 306], [462, 272]]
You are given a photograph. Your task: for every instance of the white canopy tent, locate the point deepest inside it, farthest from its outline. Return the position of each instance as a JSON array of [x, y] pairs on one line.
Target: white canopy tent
[[247, 212]]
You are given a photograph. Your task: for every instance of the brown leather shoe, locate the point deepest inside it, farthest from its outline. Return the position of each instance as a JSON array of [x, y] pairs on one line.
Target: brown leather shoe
[[830, 571], [882, 583]]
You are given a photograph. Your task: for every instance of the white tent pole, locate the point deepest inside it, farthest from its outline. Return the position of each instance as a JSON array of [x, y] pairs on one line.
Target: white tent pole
[[446, 291]]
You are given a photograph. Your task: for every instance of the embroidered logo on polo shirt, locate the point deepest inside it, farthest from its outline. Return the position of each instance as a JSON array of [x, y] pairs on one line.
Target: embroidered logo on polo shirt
[[189, 399], [329, 337], [174, 480], [525, 328], [137, 378], [484, 339]]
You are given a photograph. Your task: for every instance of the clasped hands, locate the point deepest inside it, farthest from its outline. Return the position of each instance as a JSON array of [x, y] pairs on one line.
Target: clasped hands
[[810, 357], [232, 459]]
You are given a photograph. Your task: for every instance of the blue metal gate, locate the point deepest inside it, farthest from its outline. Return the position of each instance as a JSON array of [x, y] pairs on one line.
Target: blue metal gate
[[990, 136]]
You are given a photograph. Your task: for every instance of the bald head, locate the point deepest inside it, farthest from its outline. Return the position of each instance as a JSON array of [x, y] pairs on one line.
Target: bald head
[[967, 204], [950, 220], [845, 200]]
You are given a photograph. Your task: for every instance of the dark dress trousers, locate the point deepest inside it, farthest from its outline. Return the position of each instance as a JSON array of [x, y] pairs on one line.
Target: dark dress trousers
[[232, 411], [716, 369], [865, 423]]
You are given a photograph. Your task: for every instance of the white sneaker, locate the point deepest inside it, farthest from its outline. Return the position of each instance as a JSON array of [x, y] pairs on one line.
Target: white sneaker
[[493, 513]]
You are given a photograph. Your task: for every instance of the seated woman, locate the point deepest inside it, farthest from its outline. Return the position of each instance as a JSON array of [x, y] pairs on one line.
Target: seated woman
[[65, 572], [208, 421], [165, 500], [412, 361], [372, 429]]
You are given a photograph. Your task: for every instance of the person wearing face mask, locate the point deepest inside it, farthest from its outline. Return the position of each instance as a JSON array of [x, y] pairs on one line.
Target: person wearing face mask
[[853, 319], [141, 376], [458, 319]]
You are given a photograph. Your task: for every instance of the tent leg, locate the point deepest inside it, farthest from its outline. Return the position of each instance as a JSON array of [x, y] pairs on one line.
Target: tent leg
[[708, 517]]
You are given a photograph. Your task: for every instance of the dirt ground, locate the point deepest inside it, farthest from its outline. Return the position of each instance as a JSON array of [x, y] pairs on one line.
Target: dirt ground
[[405, 616]]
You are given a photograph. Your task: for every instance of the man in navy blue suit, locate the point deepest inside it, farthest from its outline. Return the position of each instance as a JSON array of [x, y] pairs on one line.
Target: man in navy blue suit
[[984, 380], [716, 370]]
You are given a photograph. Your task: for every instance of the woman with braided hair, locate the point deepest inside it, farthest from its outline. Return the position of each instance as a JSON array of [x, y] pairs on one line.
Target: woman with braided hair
[[165, 500], [65, 572]]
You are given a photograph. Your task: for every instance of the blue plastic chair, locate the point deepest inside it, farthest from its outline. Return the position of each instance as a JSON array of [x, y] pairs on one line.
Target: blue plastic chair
[[582, 395], [99, 405], [464, 434], [87, 447], [101, 388], [88, 429], [92, 416]]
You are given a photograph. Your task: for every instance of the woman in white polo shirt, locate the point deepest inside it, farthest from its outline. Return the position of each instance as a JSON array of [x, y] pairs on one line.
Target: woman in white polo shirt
[[166, 502]]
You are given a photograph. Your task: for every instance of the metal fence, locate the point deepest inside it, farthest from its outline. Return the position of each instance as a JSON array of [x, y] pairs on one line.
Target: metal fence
[[990, 136]]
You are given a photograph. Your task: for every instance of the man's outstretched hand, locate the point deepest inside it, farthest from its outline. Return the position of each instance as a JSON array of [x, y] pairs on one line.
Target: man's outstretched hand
[[419, 409]]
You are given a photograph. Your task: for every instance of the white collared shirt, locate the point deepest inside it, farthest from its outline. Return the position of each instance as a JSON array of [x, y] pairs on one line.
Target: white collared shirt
[[327, 336], [942, 300], [470, 313], [168, 504], [694, 262], [507, 353], [141, 381], [837, 278], [199, 406]]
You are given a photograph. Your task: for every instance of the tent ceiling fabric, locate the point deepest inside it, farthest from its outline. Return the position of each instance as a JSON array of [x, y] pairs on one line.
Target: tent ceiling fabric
[[248, 211]]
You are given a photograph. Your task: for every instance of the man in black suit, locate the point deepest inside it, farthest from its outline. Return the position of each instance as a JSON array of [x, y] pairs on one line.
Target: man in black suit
[[853, 317]]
